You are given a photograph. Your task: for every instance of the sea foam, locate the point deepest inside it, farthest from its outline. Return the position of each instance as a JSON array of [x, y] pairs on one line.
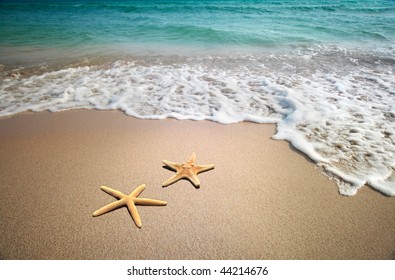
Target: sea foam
[[334, 106]]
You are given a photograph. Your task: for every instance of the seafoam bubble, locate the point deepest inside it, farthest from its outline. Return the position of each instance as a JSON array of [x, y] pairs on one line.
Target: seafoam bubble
[[341, 115]]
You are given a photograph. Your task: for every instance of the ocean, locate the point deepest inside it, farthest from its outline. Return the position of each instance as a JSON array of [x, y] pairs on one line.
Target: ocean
[[322, 71]]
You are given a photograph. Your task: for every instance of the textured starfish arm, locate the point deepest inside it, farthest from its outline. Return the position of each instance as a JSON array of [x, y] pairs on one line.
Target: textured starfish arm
[[202, 168], [135, 215], [193, 158], [172, 165], [148, 201], [171, 180], [109, 207], [194, 180], [138, 191], [114, 193]]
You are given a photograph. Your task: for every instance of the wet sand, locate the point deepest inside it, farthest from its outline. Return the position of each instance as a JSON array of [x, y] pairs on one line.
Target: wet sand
[[263, 200]]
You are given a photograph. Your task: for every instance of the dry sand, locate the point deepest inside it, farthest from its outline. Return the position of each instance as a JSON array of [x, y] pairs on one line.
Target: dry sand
[[263, 200]]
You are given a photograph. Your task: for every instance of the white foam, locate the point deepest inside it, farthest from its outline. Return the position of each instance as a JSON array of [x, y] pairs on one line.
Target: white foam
[[343, 119]]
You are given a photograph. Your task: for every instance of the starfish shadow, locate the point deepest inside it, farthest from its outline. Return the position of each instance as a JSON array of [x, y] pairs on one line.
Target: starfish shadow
[[166, 167]]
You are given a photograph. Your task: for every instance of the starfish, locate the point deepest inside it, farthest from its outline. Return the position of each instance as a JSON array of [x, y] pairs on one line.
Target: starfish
[[130, 201], [187, 170]]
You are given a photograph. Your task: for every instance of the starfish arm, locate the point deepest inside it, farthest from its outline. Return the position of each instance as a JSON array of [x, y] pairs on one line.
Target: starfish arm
[[148, 201], [133, 212], [193, 158], [172, 180], [112, 192], [194, 180], [172, 165], [109, 207], [138, 191], [203, 168]]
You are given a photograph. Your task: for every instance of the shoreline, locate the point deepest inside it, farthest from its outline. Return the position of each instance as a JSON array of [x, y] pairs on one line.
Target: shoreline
[[263, 200]]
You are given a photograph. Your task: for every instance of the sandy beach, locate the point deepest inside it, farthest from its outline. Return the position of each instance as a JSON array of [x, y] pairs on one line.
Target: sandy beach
[[263, 200]]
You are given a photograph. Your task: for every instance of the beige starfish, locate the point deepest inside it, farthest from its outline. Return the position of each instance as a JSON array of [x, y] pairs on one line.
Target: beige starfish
[[130, 201], [187, 170]]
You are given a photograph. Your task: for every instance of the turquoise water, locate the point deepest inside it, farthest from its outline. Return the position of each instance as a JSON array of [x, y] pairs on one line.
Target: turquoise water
[[322, 71], [206, 23]]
